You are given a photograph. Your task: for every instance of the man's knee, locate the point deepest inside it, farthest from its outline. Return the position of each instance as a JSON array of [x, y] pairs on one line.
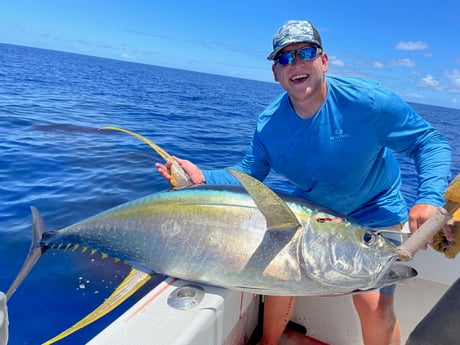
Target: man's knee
[[375, 306]]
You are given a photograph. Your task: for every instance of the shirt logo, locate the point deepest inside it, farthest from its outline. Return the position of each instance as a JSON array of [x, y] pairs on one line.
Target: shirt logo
[[339, 135]]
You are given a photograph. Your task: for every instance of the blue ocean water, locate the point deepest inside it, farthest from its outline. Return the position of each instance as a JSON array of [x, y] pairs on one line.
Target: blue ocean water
[[54, 158]]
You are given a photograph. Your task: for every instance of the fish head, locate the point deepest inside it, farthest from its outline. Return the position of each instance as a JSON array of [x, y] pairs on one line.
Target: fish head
[[347, 256]]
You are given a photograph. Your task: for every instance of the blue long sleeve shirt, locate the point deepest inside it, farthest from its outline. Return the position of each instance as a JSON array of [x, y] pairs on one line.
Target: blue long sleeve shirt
[[342, 158]]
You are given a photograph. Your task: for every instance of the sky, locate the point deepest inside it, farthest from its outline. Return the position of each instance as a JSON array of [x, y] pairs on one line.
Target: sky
[[411, 46]]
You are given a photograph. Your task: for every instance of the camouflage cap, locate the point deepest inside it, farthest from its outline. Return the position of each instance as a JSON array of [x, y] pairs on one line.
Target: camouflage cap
[[294, 31]]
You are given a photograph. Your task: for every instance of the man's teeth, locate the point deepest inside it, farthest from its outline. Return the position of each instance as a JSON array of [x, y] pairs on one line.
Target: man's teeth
[[297, 77]]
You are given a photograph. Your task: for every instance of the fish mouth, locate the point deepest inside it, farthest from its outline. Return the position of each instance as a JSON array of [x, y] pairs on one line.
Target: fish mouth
[[396, 272]]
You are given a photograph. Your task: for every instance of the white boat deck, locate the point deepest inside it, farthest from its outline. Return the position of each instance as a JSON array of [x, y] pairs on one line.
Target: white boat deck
[[229, 317], [211, 322]]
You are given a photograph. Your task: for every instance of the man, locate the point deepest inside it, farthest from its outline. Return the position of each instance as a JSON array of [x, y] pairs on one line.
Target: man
[[333, 139]]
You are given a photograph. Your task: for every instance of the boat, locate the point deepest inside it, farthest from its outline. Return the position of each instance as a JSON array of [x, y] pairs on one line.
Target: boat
[[178, 312]]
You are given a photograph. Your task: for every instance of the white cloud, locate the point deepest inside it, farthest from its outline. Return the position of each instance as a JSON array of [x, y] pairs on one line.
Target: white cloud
[[411, 45], [334, 60], [415, 95], [126, 56], [404, 62], [429, 81], [454, 73], [378, 65], [454, 76]]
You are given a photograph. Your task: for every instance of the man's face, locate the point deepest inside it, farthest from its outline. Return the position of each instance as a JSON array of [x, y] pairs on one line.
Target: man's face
[[301, 78]]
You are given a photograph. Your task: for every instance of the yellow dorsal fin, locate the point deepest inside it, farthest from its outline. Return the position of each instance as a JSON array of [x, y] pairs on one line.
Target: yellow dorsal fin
[[179, 178], [135, 280]]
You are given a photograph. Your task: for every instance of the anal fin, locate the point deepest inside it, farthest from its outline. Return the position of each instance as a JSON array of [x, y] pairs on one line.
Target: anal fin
[[133, 282]]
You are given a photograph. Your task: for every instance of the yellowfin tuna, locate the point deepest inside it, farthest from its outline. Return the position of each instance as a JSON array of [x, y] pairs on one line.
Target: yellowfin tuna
[[243, 238]]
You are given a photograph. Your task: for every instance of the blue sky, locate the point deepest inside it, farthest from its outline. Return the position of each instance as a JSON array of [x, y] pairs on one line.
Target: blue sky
[[412, 46]]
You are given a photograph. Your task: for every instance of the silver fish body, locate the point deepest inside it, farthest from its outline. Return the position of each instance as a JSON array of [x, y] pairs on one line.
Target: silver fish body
[[219, 236]]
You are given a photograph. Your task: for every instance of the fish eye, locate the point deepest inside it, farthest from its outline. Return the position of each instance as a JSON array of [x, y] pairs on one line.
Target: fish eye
[[370, 238]]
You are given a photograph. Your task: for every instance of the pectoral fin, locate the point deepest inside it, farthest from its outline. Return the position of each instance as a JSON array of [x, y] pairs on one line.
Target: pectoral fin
[[277, 213], [179, 178], [282, 225], [135, 280]]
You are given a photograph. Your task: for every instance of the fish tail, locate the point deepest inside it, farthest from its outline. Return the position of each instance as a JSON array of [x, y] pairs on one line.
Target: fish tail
[[35, 251], [3, 320]]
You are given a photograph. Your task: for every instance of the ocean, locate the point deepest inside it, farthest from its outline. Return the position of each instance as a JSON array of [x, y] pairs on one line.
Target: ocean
[[54, 157]]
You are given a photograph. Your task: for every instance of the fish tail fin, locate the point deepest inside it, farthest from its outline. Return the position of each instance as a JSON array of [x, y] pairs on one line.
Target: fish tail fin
[[179, 178], [3, 320], [35, 251]]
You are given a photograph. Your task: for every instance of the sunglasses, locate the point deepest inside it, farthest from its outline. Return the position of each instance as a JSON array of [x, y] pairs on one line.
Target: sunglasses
[[305, 54]]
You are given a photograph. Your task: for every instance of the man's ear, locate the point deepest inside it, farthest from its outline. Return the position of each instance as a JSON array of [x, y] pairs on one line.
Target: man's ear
[[325, 62], [274, 72]]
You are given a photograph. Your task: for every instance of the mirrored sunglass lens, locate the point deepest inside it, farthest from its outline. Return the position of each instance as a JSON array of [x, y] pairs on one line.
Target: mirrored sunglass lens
[[307, 53], [286, 58]]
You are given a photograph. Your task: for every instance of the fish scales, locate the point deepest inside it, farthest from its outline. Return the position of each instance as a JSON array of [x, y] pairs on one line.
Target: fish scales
[[219, 236]]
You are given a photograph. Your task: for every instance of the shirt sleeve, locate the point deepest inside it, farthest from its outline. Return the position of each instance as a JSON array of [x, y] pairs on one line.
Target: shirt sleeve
[[406, 132], [254, 164], [219, 176]]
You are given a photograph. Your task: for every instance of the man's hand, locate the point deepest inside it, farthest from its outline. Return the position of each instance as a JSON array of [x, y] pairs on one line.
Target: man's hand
[[418, 214], [196, 175]]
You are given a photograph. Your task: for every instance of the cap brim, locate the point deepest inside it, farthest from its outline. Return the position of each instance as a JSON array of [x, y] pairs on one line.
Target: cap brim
[[273, 54]]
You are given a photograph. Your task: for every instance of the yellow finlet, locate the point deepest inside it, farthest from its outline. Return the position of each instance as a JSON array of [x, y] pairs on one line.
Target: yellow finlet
[[452, 193], [135, 280], [179, 178]]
